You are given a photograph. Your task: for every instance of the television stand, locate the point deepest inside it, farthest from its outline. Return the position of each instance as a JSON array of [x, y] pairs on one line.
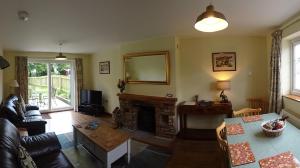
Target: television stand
[[92, 109]]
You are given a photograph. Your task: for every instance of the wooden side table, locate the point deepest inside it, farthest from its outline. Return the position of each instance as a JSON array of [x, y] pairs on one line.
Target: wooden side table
[[187, 108], [23, 131]]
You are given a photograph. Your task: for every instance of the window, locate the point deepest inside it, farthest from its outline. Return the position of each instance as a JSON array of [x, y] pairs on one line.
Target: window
[[51, 84], [295, 67]]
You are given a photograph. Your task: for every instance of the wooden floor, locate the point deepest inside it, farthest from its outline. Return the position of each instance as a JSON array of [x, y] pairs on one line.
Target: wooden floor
[[185, 154]]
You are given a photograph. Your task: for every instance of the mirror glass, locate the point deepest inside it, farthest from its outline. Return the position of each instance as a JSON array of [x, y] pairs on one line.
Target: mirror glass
[[150, 67]]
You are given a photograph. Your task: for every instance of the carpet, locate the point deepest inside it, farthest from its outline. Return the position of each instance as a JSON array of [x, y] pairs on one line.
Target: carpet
[[46, 116], [142, 155]]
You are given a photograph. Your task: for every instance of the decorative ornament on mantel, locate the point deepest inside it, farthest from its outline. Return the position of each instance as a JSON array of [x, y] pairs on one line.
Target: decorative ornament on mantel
[[121, 85]]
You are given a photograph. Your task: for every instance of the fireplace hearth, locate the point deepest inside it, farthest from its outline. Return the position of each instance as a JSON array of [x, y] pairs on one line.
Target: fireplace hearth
[[148, 113]]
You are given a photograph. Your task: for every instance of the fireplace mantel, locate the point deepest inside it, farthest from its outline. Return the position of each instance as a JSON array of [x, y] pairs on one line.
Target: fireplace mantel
[[164, 112], [150, 99]]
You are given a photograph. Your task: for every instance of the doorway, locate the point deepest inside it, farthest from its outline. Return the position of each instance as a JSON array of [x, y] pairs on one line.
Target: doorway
[[51, 84]]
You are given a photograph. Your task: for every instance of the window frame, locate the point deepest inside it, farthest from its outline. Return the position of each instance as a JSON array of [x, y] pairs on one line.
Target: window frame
[[294, 91]]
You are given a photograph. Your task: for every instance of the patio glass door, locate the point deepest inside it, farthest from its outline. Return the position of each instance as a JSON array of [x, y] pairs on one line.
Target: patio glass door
[[51, 85]]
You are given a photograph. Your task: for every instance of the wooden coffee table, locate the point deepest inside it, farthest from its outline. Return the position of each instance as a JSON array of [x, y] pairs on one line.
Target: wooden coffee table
[[105, 143]]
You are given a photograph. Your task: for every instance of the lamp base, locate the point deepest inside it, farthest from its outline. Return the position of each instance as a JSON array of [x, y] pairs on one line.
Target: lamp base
[[223, 97]]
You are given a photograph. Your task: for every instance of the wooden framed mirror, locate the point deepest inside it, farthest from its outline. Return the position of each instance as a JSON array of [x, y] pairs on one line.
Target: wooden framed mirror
[[147, 67]]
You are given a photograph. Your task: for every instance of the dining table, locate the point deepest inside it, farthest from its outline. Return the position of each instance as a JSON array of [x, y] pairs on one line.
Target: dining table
[[261, 145]]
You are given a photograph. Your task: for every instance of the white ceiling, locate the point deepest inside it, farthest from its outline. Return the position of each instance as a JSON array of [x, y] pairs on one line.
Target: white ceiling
[[87, 26]]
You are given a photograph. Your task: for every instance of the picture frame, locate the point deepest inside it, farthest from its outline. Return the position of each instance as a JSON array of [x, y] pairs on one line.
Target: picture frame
[[224, 61], [104, 67]]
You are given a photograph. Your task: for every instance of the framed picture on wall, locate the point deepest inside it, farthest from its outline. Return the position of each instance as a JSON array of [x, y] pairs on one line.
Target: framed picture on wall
[[104, 67], [224, 61]]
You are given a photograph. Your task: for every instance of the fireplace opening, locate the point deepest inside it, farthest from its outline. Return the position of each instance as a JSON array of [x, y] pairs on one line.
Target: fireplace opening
[[146, 118]]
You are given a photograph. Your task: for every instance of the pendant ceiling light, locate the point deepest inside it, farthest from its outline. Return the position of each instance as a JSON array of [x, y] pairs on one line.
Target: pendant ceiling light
[[60, 55], [211, 21]]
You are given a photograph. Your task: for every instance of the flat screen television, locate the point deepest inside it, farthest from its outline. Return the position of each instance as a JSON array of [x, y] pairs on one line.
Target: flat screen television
[[90, 97]]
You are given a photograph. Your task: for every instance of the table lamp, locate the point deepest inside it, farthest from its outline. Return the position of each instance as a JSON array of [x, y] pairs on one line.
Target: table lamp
[[223, 85]]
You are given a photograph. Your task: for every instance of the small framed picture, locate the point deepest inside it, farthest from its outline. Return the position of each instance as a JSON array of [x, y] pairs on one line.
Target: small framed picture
[[104, 67], [224, 61]]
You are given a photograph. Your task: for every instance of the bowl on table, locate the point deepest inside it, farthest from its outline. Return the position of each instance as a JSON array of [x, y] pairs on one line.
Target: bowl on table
[[273, 128]]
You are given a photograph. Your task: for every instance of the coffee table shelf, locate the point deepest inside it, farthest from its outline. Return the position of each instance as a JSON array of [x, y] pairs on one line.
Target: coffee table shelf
[[106, 143]]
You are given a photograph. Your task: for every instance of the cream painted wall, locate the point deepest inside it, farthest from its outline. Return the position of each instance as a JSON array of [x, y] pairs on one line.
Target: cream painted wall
[[107, 83], [249, 80], [191, 71], [155, 44], [9, 73], [198, 78]]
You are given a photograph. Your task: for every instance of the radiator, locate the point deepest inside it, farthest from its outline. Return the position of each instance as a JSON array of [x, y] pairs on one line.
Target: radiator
[[294, 119]]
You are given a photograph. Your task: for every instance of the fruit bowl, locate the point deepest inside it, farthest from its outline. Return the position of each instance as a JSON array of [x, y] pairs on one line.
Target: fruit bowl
[[273, 128]]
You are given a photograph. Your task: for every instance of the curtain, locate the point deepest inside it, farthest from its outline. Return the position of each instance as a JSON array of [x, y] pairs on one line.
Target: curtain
[[275, 82], [22, 77], [79, 80]]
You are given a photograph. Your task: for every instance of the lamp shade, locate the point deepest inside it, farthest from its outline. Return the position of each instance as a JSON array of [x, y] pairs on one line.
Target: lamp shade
[[211, 21], [3, 63], [14, 83], [60, 57], [223, 85]]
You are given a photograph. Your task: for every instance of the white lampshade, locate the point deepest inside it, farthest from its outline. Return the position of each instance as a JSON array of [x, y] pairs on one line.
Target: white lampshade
[[14, 83], [211, 21], [223, 85]]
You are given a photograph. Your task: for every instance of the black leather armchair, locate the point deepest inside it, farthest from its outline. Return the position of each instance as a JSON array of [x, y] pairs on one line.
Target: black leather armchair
[[45, 149], [33, 121]]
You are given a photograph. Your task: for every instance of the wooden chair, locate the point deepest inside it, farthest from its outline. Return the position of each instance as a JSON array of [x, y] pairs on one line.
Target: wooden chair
[[221, 138], [247, 112]]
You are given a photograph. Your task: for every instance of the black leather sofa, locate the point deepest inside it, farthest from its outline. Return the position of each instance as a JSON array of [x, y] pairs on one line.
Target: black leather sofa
[[33, 121], [44, 149]]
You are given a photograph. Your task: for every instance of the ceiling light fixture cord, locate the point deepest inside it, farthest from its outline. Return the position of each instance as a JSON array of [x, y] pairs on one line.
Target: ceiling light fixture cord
[[60, 46]]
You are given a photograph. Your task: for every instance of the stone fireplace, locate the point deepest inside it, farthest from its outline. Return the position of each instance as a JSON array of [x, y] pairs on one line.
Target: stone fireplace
[[148, 113]]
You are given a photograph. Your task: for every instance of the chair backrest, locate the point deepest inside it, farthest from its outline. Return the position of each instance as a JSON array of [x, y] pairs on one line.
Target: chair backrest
[[221, 137], [247, 112]]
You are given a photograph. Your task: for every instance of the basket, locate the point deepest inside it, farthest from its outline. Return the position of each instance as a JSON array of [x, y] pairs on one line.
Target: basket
[[272, 133]]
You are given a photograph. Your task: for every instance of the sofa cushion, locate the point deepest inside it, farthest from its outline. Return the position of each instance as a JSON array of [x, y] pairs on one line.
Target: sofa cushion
[[53, 160], [32, 121], [42, 144], [25, 159], [8, 111], [19, 111], [34, 118], [31, 107], [32, 113], [9, 139]]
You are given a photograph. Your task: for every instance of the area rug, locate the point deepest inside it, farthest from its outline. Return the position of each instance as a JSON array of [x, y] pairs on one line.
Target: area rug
[[46, 116], [142, 155]]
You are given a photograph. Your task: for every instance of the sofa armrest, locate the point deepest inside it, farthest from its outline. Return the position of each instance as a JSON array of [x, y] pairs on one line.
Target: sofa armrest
[[28, 121], [31, 107], [41, 144]]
